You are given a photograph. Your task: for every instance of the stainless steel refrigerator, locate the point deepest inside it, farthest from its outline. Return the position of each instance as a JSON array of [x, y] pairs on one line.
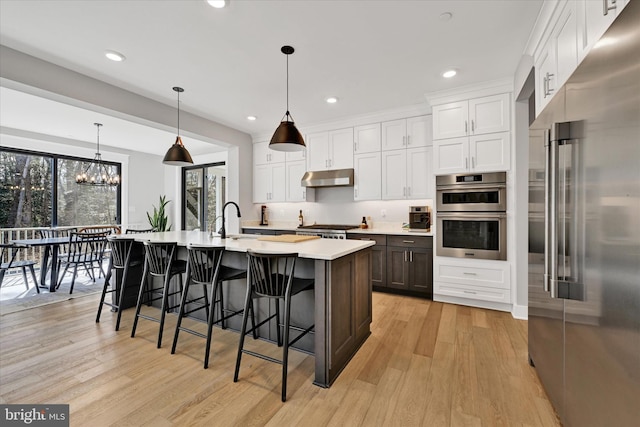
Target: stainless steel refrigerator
[[584, 235]]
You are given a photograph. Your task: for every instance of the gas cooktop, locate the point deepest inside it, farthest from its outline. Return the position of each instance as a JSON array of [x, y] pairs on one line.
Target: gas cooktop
[[327, 227]]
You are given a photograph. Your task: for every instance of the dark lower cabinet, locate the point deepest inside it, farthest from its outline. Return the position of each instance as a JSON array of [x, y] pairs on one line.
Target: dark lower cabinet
[[401, 263], [410, 264]]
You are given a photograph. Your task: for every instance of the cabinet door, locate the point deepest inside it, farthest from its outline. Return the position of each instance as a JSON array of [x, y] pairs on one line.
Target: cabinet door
[[366, 139], [545, 76], [261, 153], [566, 44], [490, 152], [450, 120], [379, 266], [419, 131], [341, 149], [420, 173], [489, 114], [295, 191], [367, 174], [318, 151], [261, 183], [294, 156], [451, 155], [421, 271], [592, 23], [397, 269], [278, 182], [394, 176], [394, 134]]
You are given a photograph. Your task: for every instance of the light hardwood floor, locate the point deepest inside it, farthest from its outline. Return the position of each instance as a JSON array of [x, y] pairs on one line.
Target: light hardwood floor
[[425, 363]]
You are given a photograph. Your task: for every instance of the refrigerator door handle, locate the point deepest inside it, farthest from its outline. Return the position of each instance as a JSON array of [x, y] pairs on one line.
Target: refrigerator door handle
[[551, 218]]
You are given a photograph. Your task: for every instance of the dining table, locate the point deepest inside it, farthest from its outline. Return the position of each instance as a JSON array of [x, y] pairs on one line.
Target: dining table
[[52, 250]]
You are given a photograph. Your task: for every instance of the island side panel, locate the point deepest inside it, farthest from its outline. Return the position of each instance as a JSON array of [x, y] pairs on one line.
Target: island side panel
[[343, 311]]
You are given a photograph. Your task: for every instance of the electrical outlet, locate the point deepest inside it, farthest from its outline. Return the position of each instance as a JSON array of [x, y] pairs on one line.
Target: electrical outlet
[[383, 213]]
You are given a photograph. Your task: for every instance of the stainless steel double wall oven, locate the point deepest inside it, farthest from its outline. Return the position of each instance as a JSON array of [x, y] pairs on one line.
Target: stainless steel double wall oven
[[472, 215]]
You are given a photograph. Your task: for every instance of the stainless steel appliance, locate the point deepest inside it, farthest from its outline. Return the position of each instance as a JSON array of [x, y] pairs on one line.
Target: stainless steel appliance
[[326, 231], [419, 218], [471, 216], [584, 241]]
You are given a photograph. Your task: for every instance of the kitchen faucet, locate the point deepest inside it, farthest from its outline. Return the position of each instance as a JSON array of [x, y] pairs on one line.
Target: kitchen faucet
[[223, 231]]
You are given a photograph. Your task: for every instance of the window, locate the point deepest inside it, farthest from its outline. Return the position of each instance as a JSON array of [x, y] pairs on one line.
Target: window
[[203, 195], [39, 190]]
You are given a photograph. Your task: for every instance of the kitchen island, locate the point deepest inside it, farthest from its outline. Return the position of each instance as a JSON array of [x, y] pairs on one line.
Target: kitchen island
[[340, 306]]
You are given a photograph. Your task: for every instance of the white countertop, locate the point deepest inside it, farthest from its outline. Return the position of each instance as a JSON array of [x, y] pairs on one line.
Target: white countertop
[[324, 249], [383, 229]]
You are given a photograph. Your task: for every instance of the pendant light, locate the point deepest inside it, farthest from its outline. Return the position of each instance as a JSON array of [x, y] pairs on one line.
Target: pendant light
[[97, 173], [287, 137], [178, 154]]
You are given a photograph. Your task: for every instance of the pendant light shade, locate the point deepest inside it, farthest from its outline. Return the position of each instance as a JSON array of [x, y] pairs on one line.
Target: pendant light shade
[[97, 173], [287, 137], [178, 154]]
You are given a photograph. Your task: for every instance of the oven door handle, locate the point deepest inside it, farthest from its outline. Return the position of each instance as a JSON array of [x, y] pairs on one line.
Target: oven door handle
[[471, 187], [472, 215]]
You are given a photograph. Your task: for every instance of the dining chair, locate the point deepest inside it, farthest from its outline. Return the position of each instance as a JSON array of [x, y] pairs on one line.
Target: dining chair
[[9, 251], [85, 249]]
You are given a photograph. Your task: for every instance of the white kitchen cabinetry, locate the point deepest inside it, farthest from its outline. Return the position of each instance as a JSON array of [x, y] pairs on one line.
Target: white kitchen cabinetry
[[475, 116], [593, 19], [478, 153], [366, 139], [263, 155], [294, 156], [367, 176], [472, 282], [407, 133], [295, 192], [269, 183], [407, 174], [330, 150]]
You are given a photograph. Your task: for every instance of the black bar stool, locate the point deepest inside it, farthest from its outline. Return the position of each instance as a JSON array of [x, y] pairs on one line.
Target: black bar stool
[[159, 262], [271, 276], [120, 259], [204, 267]]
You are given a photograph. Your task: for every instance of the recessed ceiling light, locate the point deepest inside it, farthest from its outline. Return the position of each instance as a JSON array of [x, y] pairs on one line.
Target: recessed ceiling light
[[446, 16], [218, 4], [332, 100], [251, 118], [114, 56], [449, 73]]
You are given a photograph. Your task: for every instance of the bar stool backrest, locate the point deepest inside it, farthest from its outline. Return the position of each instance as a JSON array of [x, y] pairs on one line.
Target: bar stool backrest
[[159, 257], [271, 274], [204, 263], [120, 250]]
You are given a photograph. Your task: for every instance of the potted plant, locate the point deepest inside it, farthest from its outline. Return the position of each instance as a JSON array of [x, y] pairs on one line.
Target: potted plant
[[159, 219]]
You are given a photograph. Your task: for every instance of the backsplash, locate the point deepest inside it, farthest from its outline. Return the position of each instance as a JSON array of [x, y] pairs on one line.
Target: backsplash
[[336, 206]]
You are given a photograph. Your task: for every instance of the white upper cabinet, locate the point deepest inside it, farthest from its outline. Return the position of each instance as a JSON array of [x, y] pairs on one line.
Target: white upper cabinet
[[407, 174], [367, 174], [263, 155], [366, 139], [330, 150], [269, 182], [406, 133], [295, 192], [473, 117], [478, 153], [294, 156], [593, 18]]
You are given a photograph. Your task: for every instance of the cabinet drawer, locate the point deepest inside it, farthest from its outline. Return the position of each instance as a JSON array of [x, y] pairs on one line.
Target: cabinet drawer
[[410, 241], [472, 292], [380, 239], [474, 275]]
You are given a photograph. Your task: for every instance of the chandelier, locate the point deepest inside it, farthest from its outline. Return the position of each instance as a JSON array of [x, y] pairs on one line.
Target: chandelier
[[97, 173]]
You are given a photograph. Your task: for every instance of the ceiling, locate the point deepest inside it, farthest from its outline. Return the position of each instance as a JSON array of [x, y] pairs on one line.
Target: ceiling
[[373, 55]]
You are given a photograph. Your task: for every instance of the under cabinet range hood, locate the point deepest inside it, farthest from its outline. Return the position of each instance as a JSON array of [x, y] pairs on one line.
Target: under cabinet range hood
[[330, 178]]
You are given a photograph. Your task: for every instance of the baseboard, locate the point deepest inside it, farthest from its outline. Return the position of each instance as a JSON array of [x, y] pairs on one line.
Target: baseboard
[[520, 312]]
